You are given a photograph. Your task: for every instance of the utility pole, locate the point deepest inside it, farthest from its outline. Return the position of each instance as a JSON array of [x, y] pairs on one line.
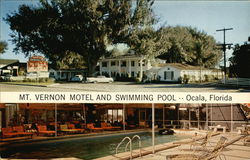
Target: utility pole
[[224, 46]]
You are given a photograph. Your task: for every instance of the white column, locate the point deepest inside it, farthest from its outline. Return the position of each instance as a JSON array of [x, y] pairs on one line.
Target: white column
[[84, 115], [206, 117], [119, 67], [189, 117], [153, 127], [141, 69], [211, 118], [129, 67], [198, 117], [55, 120], [232, 125], [123, 117], [163, 123], [109, 68]]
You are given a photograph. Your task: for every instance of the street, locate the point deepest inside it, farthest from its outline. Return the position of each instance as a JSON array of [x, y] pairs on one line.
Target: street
[[118, 87]]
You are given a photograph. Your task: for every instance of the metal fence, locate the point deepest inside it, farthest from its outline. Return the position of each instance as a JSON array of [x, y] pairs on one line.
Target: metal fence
[[238, 82]]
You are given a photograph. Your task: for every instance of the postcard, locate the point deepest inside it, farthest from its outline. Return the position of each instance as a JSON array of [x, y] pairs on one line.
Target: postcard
[[124, 79]]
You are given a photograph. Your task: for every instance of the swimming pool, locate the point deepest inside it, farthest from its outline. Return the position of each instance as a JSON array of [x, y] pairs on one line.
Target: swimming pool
[[82, 147]]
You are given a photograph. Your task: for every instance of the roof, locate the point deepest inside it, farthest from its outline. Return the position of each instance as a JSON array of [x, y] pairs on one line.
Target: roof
[[125, 56], [180, 66], [8, 61]]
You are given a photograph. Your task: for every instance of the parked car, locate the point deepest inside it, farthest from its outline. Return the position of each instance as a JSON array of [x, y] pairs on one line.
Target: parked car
[[77, 78], [99, 79]]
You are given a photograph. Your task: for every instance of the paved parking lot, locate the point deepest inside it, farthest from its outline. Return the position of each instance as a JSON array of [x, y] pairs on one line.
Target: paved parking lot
[[119, 87]]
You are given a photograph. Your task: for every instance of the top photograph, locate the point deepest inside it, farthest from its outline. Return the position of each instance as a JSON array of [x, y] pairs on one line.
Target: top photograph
[[124, 46]]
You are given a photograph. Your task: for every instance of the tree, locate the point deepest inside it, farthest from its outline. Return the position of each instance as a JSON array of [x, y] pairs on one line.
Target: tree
[[83, 27], [239, 62], [190, 46], [3, 47]]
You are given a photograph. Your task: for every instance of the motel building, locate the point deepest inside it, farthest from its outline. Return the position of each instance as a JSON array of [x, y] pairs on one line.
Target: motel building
[[132, 65], [89, 131]]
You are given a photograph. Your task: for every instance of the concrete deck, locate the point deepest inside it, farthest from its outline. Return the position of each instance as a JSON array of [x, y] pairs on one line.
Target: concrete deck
[[234, 151]]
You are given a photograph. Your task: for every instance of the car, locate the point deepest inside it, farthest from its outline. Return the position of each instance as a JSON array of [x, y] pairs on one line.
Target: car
[[77, 78], [99, 79]]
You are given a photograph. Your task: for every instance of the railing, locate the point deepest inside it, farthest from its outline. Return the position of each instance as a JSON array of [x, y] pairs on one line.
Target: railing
[[139, 141], [239, 82], [129, 143]]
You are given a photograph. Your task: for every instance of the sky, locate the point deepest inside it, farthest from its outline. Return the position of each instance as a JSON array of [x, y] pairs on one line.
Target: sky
[[207, 16]]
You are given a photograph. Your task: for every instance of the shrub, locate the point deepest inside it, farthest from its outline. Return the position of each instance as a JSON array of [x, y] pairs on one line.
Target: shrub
[[186, 79]]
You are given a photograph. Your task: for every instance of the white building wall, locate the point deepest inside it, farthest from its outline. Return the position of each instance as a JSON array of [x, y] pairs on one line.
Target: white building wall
[[162, 77], [125, 69]]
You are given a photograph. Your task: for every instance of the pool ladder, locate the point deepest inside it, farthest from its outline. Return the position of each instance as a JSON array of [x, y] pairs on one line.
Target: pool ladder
[[129, 143]]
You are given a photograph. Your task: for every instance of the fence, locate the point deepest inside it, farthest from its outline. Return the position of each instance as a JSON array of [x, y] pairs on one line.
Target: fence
[[238, 82]]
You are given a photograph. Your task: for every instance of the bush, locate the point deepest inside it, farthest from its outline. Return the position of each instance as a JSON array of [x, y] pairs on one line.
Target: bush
[[186, 79]]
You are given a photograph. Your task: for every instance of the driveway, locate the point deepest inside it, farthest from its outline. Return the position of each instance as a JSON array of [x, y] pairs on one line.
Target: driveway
[[119, 87]]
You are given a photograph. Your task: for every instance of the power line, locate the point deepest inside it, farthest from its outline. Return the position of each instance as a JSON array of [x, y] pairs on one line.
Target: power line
[[224, 47]]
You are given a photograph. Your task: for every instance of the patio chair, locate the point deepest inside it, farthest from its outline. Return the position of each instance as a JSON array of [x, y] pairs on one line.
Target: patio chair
[[91, 127], [8, 132], [203, 144], [72, 126], [108, 126], [246, 133], [64, 128], [20, 131], [208, 155], [43, 130]]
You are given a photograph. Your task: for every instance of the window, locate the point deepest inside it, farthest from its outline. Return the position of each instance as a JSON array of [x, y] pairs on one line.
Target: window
[[113, 63], [132, 74], [124, 64], [104, 64], [132, 63], [114, 115]]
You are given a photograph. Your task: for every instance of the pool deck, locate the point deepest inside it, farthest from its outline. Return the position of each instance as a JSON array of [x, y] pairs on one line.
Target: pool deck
[[234, 150]]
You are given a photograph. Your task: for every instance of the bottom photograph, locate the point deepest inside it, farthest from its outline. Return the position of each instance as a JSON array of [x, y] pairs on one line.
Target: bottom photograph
[[124, 131]]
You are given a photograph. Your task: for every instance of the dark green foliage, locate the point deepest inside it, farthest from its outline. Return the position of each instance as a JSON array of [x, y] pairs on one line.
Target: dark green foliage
[[240, 61], [190, 46], [3, 47], [82, 27]]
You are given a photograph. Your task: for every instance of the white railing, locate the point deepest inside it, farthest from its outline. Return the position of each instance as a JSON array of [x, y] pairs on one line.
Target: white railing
[[244, 82], [129, 143], [139, 141]]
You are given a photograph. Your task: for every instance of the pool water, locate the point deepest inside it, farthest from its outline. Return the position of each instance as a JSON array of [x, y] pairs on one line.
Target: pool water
[[83, 147]]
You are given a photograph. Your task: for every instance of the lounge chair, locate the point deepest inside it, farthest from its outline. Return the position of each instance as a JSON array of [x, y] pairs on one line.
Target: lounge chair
[[107, 126], [203, 144], [20, 131], [91, 127], [208, 155], [8, 132], [43, 130], [72, 126], [246, 133], [64, 128]]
